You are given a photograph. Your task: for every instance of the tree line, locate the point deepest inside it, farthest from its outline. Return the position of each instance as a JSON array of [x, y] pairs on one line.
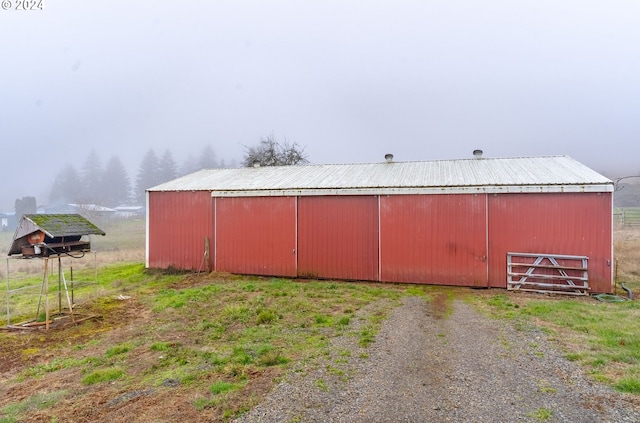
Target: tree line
[[108, 184]]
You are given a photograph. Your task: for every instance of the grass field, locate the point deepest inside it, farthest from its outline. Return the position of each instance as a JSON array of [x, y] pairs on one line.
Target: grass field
[[626, 216], [215, 343]]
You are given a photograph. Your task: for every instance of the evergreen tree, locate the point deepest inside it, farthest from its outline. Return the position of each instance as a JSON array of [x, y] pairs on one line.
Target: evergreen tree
[[167, 168], [189, 166], [67, 187], [116, 185], [92, 174], [207, 158], [148, 175]]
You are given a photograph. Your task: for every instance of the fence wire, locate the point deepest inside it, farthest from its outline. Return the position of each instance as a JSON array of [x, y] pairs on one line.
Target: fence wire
[[38, 287]]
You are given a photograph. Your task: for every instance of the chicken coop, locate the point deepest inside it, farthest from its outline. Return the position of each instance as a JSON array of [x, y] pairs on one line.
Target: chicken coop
[[47, 238]]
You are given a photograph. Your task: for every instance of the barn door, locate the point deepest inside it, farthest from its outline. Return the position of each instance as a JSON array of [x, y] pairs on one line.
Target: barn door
[[338, 237], [256, 235]]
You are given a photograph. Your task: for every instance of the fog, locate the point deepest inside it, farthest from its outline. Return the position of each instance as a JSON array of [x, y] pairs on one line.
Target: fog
[[349, 80]]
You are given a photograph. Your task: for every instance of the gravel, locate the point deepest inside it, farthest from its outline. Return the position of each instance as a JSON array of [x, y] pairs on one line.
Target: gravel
[[428, 367]]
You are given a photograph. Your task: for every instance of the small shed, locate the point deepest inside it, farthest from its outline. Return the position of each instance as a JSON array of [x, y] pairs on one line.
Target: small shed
[[43, 235], [481, 222]]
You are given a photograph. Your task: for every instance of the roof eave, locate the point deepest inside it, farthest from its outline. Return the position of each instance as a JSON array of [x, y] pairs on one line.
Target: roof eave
[[471, 189]]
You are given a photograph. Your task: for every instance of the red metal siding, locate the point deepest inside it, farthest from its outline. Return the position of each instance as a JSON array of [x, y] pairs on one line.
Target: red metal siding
[[437, 239], [338, 237], [552, 223], [178, 224], [256, 235]]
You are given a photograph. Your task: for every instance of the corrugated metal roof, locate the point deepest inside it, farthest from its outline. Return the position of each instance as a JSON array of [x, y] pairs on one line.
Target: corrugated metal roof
[[521, 174]]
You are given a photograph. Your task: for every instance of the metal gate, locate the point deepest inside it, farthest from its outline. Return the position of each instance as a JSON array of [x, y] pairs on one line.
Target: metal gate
[[546, 273]]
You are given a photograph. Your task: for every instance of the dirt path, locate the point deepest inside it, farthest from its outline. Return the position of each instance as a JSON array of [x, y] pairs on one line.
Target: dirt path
[[429, 367]]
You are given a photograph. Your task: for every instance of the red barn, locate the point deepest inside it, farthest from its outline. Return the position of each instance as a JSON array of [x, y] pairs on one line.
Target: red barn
[[482, 222]]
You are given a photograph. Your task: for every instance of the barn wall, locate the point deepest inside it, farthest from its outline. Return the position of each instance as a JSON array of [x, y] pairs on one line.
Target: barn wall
[[256, 235], [177, 225], [451, 239], [338, 237], [552, 223], [439, 239]]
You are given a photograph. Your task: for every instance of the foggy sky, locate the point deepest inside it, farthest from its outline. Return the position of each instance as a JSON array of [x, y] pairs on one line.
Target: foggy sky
[[350, 80]]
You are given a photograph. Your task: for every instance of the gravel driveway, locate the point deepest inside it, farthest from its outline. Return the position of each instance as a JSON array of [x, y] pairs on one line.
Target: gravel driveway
[[427, 367]]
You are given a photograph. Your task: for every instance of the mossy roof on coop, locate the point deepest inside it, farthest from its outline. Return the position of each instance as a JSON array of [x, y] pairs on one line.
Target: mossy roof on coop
[[55, 227]]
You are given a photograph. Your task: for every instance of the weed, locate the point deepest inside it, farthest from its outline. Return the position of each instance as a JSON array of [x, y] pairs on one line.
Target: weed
[[222, 386], [544, 387], [236, 370], [417, 291], [204, 403], [335, 371], [367, 337], [52, 366], [541, 414], [343, 321], [628, 384], [320, 383], [271, 358], [322, 319], [266, 316], [103, 375], [161, 346], [119, 349], [38, 401]]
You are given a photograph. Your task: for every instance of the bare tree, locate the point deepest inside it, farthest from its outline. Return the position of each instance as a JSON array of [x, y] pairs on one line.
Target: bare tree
[[272, 153]]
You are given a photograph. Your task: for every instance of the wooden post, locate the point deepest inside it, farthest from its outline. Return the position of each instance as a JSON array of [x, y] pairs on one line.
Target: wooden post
[[59, 285], [46, 293], [206, 253]]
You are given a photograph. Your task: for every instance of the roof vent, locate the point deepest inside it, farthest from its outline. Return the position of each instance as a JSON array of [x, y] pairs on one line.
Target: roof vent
[[388, 157], [477, 154]]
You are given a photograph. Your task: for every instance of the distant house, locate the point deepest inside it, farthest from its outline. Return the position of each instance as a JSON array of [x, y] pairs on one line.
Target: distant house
[[86, 210], [7, 222], [128, 212], [4, 222]]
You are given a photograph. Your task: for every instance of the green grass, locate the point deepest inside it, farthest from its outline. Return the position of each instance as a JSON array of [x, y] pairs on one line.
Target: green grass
[[603, 337], [39, 401], [541, 414], [127, 234], [39, 370], [103, 375], [221, 387], [230, 331], [119, 349]]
